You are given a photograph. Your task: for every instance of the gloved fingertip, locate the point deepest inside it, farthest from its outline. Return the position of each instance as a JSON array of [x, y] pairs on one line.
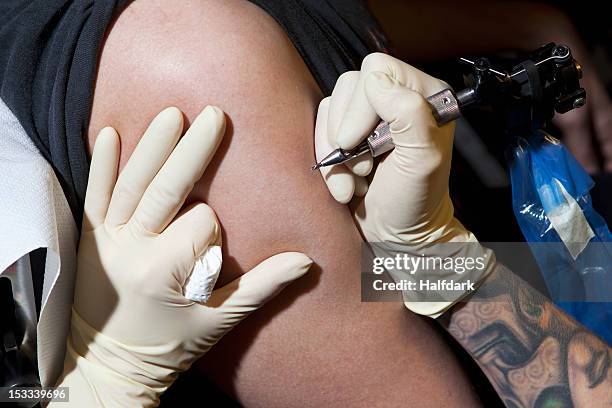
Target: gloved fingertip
[[168, 122], [107, 136], [362, 167], [107, 131], [341, 192], [212, 109], [171, 113], [324, 104], [295, 264], [294, 257], [343, 197], [340, 183], [216, 115]]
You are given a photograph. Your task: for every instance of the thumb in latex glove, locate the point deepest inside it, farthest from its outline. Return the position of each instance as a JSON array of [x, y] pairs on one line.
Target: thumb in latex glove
[[132, 329], [407, 201]]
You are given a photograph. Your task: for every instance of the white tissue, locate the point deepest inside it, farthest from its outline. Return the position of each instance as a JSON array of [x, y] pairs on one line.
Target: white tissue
[[200, 284], [35, 214]]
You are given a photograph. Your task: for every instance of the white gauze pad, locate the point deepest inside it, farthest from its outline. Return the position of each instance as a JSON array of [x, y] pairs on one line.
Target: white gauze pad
[[200, 284]]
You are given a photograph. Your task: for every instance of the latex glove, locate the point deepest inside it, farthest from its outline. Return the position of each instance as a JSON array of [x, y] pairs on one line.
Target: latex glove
[[132, 330], [407, 201]]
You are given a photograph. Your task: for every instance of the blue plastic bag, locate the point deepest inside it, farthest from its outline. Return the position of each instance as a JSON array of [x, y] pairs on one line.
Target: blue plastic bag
[[568, 238]]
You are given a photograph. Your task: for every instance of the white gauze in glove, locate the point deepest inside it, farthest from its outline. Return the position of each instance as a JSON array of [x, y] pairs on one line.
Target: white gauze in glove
[[201, 282]]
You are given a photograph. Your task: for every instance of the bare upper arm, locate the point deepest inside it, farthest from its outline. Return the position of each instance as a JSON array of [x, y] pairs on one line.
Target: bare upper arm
[[316, 342], [199, 55]]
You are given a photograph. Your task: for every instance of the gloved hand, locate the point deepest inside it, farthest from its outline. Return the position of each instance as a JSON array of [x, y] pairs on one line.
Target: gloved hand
[[407, 201], [132, 330]]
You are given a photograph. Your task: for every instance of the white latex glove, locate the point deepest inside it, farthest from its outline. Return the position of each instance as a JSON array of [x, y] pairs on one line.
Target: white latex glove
[[407, 201], [132, 330]]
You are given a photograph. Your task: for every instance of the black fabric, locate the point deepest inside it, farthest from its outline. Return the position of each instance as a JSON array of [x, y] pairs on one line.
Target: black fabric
[[49, 53], [48, 58], [331, 36], [38, 260]]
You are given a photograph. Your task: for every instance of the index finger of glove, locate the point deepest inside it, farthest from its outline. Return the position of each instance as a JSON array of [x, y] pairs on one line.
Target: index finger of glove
[[360, 118]]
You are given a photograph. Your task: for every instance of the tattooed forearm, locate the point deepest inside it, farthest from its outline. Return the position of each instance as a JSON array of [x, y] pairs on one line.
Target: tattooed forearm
[[534, 354]]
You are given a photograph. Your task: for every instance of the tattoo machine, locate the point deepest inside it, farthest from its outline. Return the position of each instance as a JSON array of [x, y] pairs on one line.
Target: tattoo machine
[[550, 190], [545, 82]]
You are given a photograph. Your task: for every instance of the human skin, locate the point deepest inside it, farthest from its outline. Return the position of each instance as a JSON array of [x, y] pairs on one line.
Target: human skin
[[532, 352], [316, 343]]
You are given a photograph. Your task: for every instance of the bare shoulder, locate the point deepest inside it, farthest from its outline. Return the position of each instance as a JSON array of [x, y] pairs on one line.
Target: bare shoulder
[[230, 53], [192, 53], [233, 55]]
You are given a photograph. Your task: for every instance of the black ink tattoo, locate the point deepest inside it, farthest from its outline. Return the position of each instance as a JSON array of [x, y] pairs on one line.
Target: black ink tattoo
[[533, 354]]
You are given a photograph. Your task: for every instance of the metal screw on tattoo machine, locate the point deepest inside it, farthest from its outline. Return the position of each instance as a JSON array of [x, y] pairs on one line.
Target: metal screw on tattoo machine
[[545, 82]]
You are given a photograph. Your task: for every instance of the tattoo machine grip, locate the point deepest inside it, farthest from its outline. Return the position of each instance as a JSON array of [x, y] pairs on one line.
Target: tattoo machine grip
[[444, 106]]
